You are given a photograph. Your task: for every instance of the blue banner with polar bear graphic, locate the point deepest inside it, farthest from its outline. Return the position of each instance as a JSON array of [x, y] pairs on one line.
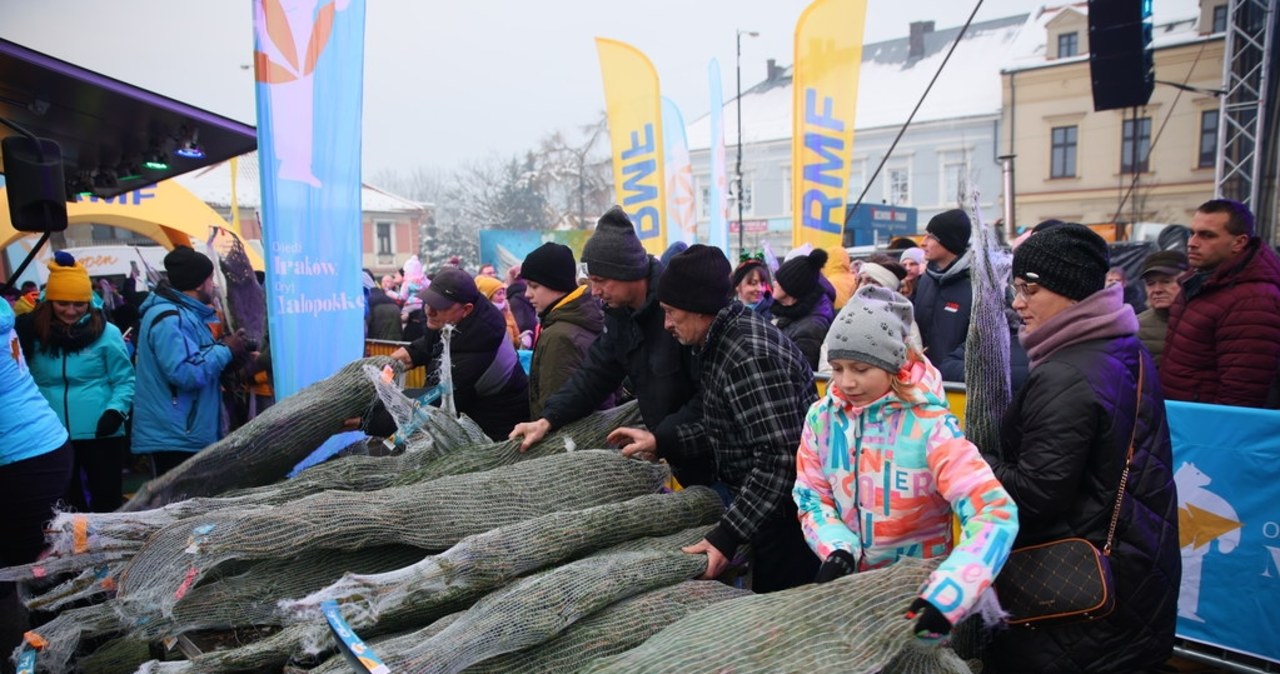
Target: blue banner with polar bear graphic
[[1226, 463]]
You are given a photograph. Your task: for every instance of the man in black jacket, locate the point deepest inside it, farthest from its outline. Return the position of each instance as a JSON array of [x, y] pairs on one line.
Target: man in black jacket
[[489, 385], [634, 347], [756, 386], [944, 293]]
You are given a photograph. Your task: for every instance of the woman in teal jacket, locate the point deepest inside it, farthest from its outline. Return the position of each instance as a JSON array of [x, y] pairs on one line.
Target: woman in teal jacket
[[79, 361], [35, 465]]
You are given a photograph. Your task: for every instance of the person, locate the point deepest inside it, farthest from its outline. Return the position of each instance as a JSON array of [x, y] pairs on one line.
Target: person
[[384, 313], [944, 293], [177, 402], [839, 272], [35, 469], [526, 316], [571, 321], [912, 260], [489, 271], [1118, 276], [751, 286], [489, 385], [1223, 343], [1160, 272], [496, 293], [1063, 449], [755, 386], [30, 297], [634, 347], [885, 421], [79, 361], [802, 306]]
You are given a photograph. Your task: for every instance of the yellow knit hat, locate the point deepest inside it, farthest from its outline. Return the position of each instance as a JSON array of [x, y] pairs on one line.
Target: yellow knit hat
[[68, 280], [488, 285]]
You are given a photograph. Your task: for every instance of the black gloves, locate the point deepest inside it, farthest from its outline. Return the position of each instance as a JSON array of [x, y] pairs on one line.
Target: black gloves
[[930, 623], [838, 564], [109, 423], [236, 342]]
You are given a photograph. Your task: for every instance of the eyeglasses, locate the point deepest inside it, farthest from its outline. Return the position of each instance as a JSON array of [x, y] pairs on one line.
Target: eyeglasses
[[1024, 289]]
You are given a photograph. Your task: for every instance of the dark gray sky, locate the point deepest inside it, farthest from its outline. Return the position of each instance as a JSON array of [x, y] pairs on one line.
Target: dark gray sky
[[447, 81]]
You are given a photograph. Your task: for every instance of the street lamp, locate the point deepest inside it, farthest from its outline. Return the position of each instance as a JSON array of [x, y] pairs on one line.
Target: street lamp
[[738, 172]]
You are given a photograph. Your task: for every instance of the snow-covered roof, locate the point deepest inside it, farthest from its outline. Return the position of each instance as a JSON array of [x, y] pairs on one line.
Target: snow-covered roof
[[1174, 22], [212, 185], [889, 85]]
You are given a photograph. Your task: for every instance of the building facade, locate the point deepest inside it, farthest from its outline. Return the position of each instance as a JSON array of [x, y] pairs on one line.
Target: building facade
[[1150, 164]]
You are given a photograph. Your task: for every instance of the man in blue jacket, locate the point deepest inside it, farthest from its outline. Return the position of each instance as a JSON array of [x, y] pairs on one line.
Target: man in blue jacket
[[944, 293], [177, 405]]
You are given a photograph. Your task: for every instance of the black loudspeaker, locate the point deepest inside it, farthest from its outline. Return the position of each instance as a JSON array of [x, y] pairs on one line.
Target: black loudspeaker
[[1120, 61], [33, 180]]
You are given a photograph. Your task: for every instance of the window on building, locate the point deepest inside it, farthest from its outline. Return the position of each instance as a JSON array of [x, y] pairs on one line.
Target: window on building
[[1135, 145], [1208, 139], [954, 168], [1068, 44], [1062, 163], [898, 186], [1220, 18], [384, 238], [703, 196], [748, 190]]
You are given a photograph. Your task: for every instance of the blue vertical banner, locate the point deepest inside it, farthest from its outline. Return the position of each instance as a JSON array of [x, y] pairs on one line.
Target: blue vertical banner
[[682, 223], [309, 66], [1226, 465], [718, 189]]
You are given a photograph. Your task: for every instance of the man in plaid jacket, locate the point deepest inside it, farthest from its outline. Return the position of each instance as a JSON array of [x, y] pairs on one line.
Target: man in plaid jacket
[[755, 388]]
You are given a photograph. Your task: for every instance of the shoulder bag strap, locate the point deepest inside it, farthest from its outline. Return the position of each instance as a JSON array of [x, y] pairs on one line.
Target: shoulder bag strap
[[1124, 476]]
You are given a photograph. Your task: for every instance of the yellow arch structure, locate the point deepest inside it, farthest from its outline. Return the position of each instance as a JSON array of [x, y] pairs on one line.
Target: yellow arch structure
[[165, 212]]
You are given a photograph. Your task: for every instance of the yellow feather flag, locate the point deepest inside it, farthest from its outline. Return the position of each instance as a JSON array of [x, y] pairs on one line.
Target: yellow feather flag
[[824, 106], [634, 106]]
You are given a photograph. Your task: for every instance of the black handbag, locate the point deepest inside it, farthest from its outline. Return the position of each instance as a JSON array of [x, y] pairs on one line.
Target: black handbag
[[1067, 580]]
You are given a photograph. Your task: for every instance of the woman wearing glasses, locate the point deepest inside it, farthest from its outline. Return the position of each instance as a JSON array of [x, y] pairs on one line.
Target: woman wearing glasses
[[1093, 390]]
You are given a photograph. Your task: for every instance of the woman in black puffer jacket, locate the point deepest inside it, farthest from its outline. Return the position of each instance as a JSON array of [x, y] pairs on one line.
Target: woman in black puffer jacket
[[803, 306], [1064, 443]]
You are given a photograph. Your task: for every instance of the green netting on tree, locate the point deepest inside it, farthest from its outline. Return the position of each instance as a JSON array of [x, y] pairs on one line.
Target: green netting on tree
[[123, 655], [263, 450], [534, 609], [419, 593], [63, 634], [431, 516], [613, 629], [84, 587], [848, 626]]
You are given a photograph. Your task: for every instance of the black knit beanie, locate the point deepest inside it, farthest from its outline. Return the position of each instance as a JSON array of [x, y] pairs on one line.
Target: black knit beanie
[[187, 269], [745, 267], [614, 251], [951, 229], [799, 276], [697, 280], [1069, 259], [551, 265]]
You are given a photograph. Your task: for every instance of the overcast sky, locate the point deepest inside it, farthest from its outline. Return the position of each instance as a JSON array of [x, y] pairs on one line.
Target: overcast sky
[[447, 81]]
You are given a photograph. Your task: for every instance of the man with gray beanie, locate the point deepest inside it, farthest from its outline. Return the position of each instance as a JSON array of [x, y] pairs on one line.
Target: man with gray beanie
[[634, 348], [944, 294], [755, 387]]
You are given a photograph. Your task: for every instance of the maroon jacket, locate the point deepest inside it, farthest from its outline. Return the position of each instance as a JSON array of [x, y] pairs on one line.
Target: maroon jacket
[[1223, 343]]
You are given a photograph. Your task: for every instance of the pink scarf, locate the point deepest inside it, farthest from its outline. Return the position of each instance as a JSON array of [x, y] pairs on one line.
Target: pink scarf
[[1102, 315]]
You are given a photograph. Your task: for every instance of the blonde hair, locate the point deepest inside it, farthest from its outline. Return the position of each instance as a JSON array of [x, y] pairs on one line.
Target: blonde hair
[[905, 390]]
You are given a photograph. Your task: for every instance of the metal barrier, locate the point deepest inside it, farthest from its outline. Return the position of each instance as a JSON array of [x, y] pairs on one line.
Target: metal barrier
[[415, 378]]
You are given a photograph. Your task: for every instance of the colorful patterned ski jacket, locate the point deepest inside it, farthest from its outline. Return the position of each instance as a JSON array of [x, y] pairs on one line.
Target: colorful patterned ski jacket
[[881, 482]]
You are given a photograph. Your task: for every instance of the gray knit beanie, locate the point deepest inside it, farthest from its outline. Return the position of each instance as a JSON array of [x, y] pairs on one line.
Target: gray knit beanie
[[614, 251], [872, 328]]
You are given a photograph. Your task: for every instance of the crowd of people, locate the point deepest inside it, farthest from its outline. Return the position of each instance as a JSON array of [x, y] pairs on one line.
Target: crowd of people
[[722, 363]]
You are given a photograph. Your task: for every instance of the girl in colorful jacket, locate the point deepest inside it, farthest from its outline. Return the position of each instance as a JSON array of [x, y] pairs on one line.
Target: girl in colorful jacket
[[883, 464]]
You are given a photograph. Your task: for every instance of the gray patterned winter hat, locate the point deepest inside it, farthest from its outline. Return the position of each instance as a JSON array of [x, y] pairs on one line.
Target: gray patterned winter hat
[[872, 328]]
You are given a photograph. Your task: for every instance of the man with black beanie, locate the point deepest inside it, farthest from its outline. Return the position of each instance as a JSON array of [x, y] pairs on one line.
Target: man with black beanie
[[944, 293], [634, 347], [177, 403], [755, 389]]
